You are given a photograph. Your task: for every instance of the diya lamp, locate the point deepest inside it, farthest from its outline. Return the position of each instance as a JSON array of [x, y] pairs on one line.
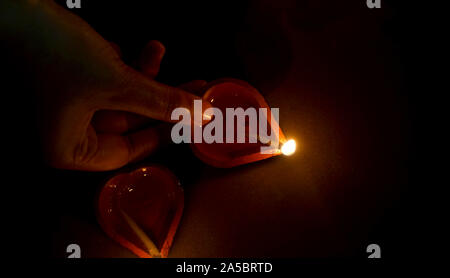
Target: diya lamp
[[232, 93], [141, 210]]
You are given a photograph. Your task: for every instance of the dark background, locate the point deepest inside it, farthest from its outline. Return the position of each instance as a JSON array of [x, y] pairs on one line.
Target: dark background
[[340, 74]]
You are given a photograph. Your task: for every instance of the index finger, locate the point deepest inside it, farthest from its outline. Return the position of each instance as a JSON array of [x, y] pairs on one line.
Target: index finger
[[152, 99]]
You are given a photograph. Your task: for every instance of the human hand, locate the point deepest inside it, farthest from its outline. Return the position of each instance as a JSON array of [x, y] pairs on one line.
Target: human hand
[[88, 99]]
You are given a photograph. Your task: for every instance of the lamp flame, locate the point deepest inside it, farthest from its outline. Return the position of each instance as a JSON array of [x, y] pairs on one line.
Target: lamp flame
[[289, 147]]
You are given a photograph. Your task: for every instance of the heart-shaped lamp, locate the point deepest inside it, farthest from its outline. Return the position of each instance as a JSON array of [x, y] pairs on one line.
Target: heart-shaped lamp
[[232, 93], [141, 210]]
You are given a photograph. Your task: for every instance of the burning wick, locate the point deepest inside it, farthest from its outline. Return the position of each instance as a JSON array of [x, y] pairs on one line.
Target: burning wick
[[289, 147]]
